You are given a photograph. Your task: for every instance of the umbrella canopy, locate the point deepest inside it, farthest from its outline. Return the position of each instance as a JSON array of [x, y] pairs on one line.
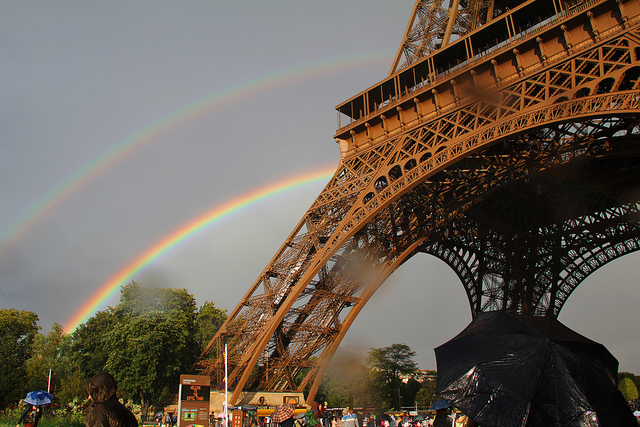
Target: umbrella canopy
[[282, 412], [38, 398], [440, 404], [515, 370], [420, 417]]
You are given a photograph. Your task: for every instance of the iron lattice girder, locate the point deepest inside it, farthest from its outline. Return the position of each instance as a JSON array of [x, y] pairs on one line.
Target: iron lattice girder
[[430, 21], [385, 202], [419, 139], [543, 235]]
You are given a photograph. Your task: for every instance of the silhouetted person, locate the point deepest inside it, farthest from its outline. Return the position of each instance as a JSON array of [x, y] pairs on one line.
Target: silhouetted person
[[30, 416], [442, 418], [106, 410]]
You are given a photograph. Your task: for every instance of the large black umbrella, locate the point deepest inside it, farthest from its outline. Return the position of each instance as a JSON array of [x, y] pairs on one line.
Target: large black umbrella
[[513, 370]]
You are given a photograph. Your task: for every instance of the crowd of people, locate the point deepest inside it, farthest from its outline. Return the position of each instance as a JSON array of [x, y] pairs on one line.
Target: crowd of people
[[318, 416], [106, 410], [165, 419]]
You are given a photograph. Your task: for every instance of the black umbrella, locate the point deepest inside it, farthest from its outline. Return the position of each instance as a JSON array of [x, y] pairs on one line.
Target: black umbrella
[[514, 370]]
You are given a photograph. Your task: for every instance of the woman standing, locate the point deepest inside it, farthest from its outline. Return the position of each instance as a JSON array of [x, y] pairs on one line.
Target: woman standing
[[30, 416]]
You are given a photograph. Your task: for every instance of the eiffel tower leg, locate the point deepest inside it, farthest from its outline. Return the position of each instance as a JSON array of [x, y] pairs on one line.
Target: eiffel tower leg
[[475, 163]]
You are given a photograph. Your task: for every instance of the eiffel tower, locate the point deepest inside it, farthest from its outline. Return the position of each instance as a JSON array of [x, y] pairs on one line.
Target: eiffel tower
[[504, 141]]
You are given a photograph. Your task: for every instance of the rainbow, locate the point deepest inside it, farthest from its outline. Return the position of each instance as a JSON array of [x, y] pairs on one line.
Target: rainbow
[[188, 113], [180, 234]]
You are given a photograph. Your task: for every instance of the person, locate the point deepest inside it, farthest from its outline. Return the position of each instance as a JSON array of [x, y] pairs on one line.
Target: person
[[287, 423], [312, 415], [253, 416], [442, 418], [323, 415], [360, 418], [30, 416], [105, 409], [349, 419], [465, 421]]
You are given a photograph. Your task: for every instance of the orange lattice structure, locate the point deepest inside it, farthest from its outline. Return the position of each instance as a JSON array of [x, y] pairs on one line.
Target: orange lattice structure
[[504, 141]]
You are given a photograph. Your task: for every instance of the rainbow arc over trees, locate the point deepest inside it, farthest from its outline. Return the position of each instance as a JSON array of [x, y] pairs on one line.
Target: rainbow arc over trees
[[196, 225]]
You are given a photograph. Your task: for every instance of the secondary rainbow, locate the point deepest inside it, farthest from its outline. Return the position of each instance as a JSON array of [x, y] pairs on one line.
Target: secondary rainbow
[[99, 299], [188, 113]]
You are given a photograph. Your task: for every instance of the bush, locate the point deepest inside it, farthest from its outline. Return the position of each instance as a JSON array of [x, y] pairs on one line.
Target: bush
[[52, 417]]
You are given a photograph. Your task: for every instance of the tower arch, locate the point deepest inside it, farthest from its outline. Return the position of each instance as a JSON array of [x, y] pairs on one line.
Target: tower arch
[[481, 173]]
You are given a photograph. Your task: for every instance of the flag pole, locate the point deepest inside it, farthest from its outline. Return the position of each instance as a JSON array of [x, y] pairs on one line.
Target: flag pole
[[226, 390]]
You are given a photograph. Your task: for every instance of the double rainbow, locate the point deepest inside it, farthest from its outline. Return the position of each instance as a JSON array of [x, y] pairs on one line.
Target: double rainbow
[[179, 235], [127, 147], [180, 117], [138, 140]]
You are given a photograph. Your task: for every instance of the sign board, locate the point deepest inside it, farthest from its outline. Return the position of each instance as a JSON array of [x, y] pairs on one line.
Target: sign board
[[237, 418], [193, 396]]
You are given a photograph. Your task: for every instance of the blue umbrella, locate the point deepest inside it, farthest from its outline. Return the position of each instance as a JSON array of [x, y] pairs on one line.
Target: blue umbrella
[[440, 404], [38, 398]]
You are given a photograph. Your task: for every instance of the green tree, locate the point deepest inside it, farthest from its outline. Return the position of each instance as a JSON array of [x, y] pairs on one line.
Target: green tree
[[18, 329], [149, 338], [136, 300], [632, 377], [152, 342], [142, 358], [426, 396], [48, 353], [392, 362], [72, 388], [52, 355], [210, 318], [346, 383], [628, 389], [88, 350]]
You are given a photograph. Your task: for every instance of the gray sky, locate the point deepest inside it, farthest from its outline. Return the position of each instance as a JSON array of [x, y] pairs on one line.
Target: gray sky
[[80, 79]]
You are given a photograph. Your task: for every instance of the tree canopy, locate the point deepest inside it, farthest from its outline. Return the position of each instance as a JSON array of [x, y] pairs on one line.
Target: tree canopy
[[394, 360], [388, 364], [628, 388], [147, 354], [146, 341], [153, 338], [210, 318], [18, 330]]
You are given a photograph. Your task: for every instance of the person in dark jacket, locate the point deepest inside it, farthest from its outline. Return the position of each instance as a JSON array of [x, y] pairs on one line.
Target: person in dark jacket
[[106, 410], [442, 418], [30, 416]]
